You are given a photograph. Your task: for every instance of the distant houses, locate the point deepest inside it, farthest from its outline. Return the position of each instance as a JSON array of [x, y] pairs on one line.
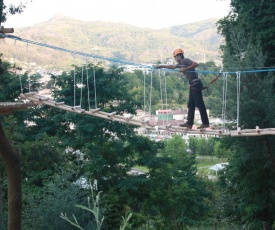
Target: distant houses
[[132, 68]]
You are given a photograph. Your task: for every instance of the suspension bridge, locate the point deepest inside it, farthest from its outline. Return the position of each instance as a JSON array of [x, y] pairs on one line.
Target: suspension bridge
[[34, 99]]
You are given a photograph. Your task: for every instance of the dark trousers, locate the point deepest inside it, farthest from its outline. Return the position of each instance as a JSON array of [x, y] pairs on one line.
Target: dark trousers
[[196, 100]]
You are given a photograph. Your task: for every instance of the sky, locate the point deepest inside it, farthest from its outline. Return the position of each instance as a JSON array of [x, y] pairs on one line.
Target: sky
[[154, 14]]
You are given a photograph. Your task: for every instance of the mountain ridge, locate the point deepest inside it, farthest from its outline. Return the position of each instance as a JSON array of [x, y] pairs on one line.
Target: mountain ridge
[[115, 40]]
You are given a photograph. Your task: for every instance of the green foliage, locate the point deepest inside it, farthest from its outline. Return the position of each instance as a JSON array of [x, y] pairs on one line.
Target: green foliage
[[172, 182], [176, 147], [247, 187], [202, 146], [40, 159], [125, 222], [94, 209], [10, 10], [42, 206], [255, 20], [165, 86], [221, 151], [54, 156]]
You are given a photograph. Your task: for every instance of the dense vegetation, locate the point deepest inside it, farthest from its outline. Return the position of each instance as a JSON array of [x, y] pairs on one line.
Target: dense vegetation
[[248, 184], [61, 166], [58, 163]]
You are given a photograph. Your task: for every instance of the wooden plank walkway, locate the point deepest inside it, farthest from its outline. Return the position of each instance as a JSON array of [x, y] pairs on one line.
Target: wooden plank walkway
[[10, 107], [133, 121]]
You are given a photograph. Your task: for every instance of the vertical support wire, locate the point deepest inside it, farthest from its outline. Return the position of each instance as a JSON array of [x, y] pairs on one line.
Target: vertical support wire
[[88, 87], [15, 69], [225, 75], [144, 93], [81, 86], [166, 97], [29, 77], [238, 96], [95, 87], [74, 81], [160, 89], [151, 88]]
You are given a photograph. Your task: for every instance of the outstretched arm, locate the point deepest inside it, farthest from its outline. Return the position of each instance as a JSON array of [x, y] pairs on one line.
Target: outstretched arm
[[165, 66], [192, 66]]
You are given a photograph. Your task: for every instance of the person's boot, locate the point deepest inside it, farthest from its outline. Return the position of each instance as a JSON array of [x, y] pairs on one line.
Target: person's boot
[[186, 125], [203, 126]]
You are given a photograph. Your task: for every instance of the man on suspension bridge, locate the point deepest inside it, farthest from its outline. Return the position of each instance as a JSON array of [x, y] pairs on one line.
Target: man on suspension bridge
[[187, 67]]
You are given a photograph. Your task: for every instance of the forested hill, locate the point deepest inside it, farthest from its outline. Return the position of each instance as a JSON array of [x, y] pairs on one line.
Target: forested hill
[[125, 42]]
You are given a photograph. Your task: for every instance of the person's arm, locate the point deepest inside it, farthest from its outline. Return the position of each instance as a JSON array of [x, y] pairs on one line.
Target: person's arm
[[192, 66], [165, 66]]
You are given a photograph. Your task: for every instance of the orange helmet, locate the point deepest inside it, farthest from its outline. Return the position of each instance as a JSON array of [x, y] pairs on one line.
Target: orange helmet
[[177, 51]]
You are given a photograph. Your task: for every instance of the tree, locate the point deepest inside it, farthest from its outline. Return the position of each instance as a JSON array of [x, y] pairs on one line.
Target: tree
[[255, 20], [193, 144], [9, 154], [12, 163], [12, 9], [247, 186], [206, 146], [176, 147], [202, 146], [248, 181], [176, 194], [219, 151], [7, 151], [107, 149]]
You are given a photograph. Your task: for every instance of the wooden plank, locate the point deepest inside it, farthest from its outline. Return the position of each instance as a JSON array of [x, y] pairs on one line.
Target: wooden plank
[[174, 129]]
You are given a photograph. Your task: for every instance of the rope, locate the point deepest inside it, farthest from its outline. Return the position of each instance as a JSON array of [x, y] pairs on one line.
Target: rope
[[144, 92], [74, 52], [95, 87], [151, 87], [28, 68], [74, 85], [224, 99], [214, 80], [160, 89], [270, 69], [166, 97], [88, 87], [238, 96], [82, 76], [15, 69]]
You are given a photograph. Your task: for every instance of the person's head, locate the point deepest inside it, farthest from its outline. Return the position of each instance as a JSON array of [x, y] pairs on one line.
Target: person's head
[[178, 54]]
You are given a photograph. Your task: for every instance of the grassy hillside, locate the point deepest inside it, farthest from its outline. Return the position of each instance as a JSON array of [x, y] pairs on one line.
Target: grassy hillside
[[116, 40]]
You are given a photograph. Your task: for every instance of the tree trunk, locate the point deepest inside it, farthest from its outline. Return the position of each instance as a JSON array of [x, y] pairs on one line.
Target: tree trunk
[[1, 10], [12, 164]]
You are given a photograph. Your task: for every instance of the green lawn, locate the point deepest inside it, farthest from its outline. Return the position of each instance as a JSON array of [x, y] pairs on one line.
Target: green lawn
[[142, 168], [204, 162]]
